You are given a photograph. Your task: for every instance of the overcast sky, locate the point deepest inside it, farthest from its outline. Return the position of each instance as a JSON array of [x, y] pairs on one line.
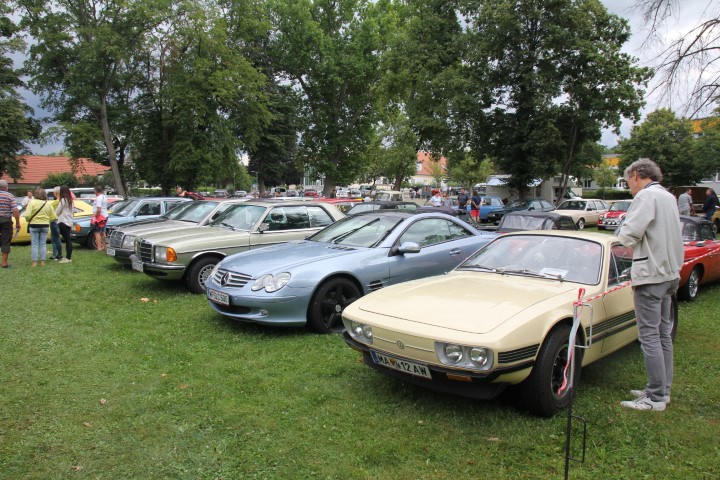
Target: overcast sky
[[687, 15]]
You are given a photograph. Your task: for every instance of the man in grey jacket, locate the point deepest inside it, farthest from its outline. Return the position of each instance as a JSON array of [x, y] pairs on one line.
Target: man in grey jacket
[[652, 228]]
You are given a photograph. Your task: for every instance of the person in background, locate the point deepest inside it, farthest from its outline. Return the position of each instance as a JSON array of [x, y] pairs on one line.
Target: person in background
[[8, 211], [463, 199], [39, 213], [64, 211], [652, 229], [475, 201], [100, 213], [28, 197], [436, 200], [446, 200], [711, 201], [684, 202], [55, 230]]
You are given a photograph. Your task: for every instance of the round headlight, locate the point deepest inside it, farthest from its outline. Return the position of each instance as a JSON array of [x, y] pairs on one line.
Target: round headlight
[[454, 353], [479, 356]]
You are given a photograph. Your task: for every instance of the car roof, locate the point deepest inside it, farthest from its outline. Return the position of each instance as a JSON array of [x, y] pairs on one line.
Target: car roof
[[584, 234], [535, 213], [696, 220]]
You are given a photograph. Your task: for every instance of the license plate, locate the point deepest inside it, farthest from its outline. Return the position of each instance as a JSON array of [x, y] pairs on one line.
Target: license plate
[[111, 251], [218, 297], [137, 265], [401, 365]]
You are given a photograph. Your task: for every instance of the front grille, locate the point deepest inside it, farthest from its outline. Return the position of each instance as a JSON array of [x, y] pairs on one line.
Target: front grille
[[512, 356], [116, 239], [145, 251], [231, 279]]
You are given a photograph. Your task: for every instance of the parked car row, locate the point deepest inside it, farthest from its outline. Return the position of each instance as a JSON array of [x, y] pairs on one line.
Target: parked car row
[[424, 296]]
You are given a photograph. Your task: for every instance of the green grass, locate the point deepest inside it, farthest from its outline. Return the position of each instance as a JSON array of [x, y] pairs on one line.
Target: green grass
[[96, 383]]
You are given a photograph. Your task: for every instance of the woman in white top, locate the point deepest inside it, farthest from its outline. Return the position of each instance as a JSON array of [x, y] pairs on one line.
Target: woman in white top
[[436, 200], [65, 213]]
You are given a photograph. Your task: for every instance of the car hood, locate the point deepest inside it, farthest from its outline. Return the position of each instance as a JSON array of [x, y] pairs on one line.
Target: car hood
[[470, 302], [193, 238], [147, 227], [286, 256]]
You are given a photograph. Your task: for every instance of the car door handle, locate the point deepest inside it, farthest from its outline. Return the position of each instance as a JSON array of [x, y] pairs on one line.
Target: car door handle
[[455, 251]]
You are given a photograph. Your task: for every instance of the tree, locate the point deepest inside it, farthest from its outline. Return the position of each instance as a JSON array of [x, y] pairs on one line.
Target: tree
[[605, 177], [16, 126], [706, 148], [555, 76], [329, 51], [200, 102], [82, 63], [469, 171], [689, 60], [422, 75], [668, 141], [58, 179]]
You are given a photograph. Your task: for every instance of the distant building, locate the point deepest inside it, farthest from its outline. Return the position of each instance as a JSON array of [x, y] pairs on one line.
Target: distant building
[[38, 167]]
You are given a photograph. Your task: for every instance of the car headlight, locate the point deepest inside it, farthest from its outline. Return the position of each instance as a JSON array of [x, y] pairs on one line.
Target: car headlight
[[472, 357], [271, 283], [128, 242], [165, 254], [361, 332]]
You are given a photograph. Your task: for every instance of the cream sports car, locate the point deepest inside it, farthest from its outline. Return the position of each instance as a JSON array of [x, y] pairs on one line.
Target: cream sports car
[[503, 317]]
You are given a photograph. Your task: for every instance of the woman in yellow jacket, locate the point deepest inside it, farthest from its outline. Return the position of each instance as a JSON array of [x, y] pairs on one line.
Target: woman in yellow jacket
[[39, 213]]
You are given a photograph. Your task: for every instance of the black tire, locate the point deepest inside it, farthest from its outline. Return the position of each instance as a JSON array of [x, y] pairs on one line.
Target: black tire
[[540, 389], [199, 272], [90, 240], [689, 291], [581, 224], [328, 302]]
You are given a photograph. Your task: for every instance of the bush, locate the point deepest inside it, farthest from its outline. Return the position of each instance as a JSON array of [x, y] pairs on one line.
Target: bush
[[58, 179]]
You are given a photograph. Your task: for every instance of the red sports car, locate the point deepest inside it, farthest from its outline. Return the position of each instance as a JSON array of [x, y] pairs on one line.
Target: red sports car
[[702, 256], [612, 218]]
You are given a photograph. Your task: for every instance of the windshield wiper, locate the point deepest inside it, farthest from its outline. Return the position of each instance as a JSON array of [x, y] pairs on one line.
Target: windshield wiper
[[227, 225], [529, 273], [350, 232]]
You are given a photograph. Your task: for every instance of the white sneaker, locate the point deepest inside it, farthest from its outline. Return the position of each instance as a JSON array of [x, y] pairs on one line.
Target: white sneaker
[[65, 260], [644, 403], [643, 393]]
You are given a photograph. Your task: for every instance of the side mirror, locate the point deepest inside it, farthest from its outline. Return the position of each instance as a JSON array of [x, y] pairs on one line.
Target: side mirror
[[263, 227], [408, 247]]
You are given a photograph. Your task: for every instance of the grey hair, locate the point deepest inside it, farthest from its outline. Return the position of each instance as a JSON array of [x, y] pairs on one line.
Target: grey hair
[[3, 184], [645, 168]]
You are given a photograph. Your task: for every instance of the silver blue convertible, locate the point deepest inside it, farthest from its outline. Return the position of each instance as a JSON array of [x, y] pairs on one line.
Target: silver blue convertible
[[310, 282]]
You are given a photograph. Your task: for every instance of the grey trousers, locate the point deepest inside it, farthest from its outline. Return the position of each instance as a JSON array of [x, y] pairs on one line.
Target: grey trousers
[[653, 309]]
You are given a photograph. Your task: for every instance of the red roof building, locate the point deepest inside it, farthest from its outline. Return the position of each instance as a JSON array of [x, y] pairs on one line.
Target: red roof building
[[38, 167]]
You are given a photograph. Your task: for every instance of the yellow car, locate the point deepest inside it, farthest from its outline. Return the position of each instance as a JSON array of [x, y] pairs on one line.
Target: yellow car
[[504, 317], [81, 209]]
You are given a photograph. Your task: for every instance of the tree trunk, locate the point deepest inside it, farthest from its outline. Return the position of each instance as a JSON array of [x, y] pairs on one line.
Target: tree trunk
[[107, 137]]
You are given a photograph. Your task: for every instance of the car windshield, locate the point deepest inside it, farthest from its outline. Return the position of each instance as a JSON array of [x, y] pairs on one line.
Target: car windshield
[[176, 210], [561, 258], [193, 212], [363, 207], [123, 205], [526, 222], [619, 207], [518, 204], [239, 217], [572, 205], [359, 231]]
